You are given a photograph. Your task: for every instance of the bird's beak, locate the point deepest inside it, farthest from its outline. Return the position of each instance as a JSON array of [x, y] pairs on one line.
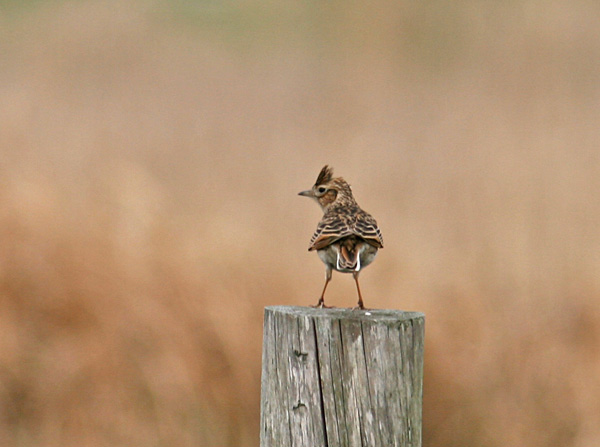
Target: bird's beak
[[307, 193]]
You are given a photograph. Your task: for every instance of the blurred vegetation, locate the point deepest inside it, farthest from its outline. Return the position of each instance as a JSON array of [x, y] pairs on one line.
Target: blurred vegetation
[[150, 157]]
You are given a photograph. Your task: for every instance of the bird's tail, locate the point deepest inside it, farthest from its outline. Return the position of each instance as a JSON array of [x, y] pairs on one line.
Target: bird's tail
[[349, 254]]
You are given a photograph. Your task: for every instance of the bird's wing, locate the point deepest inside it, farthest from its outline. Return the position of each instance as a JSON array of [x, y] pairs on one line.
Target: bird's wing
[[337, 226], [366, 227], [330, 229]]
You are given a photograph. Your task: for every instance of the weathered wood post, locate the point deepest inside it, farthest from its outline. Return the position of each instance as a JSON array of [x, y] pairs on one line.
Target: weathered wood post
[[337, 377]]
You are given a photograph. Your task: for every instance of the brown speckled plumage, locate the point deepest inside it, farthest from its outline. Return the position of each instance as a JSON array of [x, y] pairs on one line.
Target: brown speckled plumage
[[347, 238]]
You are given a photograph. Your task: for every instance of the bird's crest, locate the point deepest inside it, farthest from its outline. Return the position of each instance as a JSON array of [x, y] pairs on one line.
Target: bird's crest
[[325, 175]]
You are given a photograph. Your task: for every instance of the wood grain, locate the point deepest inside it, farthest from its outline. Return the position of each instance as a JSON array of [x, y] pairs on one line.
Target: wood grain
[[338, 377]]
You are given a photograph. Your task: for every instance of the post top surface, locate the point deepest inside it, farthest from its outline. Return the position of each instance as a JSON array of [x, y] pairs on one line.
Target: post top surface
[[347, 313]]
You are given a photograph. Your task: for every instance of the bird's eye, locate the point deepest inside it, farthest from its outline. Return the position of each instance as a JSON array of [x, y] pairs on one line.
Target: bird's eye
[[322, 189]]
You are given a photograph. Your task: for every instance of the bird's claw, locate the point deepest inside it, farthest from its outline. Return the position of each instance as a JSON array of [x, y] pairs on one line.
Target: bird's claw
[[321, 305], [359, 306]]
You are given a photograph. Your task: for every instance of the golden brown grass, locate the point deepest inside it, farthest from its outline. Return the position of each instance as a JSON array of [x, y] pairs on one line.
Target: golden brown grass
[[150, 160]]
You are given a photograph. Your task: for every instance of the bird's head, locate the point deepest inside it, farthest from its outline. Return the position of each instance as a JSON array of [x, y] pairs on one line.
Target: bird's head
[[328, 191]]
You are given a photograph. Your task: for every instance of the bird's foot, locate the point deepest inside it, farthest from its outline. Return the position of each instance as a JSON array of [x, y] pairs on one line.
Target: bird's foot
[[321, 305], [359, 306]]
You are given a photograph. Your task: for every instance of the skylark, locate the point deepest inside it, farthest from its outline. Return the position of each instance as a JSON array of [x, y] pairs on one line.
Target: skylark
[[347, 238]]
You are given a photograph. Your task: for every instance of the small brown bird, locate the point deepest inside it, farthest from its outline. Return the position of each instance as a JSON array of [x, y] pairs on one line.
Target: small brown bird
[[347, 238]]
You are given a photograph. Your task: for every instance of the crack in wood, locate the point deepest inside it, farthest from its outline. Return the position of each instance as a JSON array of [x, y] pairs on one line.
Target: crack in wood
[[320, 380]]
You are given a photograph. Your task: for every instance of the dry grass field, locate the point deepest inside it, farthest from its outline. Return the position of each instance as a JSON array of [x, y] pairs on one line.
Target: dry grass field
[[150, 157]]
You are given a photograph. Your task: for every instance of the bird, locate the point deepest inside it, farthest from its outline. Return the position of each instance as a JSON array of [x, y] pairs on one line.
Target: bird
[[347, 237]]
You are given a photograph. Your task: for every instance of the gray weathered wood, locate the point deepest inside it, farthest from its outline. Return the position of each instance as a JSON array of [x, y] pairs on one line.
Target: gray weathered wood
[[338, 377]]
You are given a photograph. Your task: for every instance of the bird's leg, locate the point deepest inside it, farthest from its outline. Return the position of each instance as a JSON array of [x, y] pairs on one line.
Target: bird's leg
[[321, 303], [360, 304]]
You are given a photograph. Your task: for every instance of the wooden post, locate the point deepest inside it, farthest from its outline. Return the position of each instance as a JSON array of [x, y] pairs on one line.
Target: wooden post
[[338, 377]]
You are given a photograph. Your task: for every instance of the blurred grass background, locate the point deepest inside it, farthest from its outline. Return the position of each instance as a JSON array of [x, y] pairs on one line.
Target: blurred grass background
[[151, 153]]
